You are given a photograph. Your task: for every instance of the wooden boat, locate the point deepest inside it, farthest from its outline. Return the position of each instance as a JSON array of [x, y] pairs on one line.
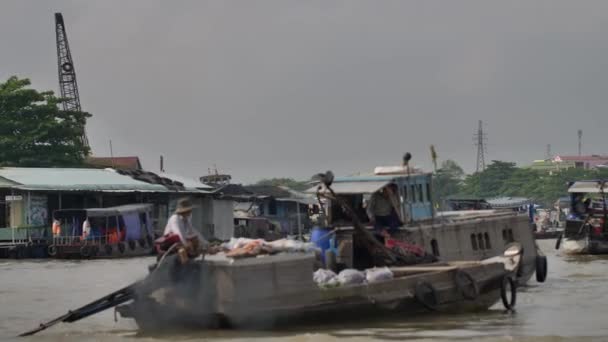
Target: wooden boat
[[115, 232], [277, 289], [586, 230]]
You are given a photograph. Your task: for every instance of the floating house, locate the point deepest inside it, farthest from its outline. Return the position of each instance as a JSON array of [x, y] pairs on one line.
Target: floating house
[[29, 196]]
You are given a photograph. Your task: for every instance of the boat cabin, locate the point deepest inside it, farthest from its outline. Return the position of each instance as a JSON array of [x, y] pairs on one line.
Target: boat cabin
[[413, 194], [587, 207]]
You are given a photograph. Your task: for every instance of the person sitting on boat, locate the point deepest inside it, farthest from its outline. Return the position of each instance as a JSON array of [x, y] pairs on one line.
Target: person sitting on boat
[[86, 229], [179, 230], [56, 228], [382, 212]]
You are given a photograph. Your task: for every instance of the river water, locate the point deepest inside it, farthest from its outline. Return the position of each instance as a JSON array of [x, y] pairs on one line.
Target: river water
[[571, 305]]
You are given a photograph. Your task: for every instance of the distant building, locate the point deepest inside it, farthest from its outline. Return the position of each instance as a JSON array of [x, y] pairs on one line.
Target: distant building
[[29, 196], [119, 163], [567, 162]]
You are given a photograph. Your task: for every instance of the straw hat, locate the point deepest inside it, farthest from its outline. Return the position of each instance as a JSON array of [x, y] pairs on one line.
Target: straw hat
[[184, 205]]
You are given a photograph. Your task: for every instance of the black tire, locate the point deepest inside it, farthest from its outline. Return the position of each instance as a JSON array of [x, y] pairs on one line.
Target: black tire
[[121, 247], [508, 287], [85, 251], [131, 244], [94, 251], [13, 253], [466, 285], [426, 294], [330, 260], [142, 243], [559, 241], [52, 250], [108, 249], [541, 268]]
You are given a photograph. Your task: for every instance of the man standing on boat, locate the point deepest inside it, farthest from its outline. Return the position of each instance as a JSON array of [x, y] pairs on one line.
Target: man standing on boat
[[179, 229], [382, 210]]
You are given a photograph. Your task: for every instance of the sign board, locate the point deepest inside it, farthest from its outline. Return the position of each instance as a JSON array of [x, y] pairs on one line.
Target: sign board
[[10, 198]]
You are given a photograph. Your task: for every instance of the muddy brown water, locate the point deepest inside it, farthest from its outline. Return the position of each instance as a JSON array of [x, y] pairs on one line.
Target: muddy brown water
[[571, 305]]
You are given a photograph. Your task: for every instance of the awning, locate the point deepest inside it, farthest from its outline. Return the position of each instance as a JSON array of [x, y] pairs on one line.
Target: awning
[[587, 187], [354, 187]]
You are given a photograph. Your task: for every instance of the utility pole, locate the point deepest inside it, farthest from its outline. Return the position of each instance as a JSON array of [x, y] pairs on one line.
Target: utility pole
[[580, 142], [480, 139]]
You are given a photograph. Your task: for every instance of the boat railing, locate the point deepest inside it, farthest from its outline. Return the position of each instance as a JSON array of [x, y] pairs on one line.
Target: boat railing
[[79, 239]]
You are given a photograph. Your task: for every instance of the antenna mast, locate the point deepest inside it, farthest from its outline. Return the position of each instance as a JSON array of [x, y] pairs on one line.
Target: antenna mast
[[580, 142], [480, 140], [67, 73]]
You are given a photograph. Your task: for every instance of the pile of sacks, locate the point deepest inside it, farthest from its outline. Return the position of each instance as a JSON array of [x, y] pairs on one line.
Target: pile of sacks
[[327, 278], [243, 247]]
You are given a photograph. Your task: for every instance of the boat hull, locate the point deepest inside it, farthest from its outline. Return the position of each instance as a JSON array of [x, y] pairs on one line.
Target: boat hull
[[584, 245], [100, 250], [205, 299]]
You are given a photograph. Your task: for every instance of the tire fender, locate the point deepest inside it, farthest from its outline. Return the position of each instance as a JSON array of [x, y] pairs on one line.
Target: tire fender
[[467, 286], [426, 294], [52, 250], [541, 268], [508, 288]]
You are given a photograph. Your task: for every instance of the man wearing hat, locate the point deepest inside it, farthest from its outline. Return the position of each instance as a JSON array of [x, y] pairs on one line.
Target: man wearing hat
[[180, 225]]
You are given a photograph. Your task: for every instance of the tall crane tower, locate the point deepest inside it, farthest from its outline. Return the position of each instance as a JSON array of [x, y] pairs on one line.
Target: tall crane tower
[[67, 73]]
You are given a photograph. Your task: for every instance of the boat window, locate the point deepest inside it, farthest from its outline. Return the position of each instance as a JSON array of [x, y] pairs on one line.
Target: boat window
[[413, 189], [505, 238], [272, 207], [487, 239], [435, 247], [405, 193], [428, 192], [511, 239], [473, 242], [480, 241], [420, 198]]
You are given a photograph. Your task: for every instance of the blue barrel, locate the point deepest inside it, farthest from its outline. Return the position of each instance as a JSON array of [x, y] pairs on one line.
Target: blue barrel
[[321, 238]]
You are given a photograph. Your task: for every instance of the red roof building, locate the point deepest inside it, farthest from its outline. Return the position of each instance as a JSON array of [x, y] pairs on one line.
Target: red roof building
[[119, 163]]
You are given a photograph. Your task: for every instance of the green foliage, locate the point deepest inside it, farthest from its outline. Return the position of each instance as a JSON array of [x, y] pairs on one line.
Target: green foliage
[[287, 182], [448, 180], [504, 179], [34, 131]]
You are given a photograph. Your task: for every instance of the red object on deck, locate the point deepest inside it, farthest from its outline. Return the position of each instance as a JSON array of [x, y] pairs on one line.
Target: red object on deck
[[163, 243], [417, 250]]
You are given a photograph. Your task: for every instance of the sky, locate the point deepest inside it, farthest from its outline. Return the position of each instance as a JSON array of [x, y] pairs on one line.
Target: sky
[[280, 88]]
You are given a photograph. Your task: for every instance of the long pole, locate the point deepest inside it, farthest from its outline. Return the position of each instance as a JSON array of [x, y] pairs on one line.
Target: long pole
[[299, 220]]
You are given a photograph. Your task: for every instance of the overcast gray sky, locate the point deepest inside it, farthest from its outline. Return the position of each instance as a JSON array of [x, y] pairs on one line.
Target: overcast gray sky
[[290, 88]]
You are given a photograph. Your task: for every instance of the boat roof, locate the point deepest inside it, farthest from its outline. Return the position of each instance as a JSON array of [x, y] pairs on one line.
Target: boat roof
[[508, 202], [122, 209], [365, 184], [588, 186]]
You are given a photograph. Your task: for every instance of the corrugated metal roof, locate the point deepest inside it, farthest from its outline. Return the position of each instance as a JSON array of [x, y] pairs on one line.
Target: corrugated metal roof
[[366, 187], [508, 202], [188, 182], [71, 179]]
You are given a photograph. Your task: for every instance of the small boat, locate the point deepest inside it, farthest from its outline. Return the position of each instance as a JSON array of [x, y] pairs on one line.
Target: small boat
[[115, 232], [586, 230]]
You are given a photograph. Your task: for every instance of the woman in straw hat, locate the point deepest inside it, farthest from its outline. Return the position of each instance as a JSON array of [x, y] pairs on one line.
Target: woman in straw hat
[[180, 227]]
